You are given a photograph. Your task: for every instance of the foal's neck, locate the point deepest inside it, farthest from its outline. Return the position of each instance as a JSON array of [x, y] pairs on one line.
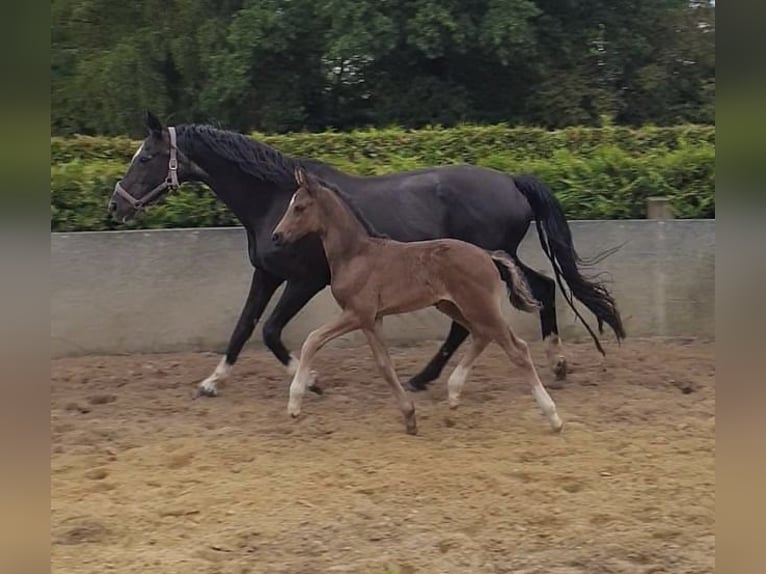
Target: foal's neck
[[343, 235]]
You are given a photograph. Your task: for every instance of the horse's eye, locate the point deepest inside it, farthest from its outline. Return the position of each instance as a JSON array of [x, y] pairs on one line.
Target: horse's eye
[[298, 208], [144, 158]]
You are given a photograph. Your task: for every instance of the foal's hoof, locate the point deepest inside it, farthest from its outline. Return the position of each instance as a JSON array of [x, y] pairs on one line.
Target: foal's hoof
[[556, 423], [411, 423], [293, 410]]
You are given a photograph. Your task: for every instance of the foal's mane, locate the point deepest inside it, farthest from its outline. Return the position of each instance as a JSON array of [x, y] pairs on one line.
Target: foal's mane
[[251, 156], [355, 211]]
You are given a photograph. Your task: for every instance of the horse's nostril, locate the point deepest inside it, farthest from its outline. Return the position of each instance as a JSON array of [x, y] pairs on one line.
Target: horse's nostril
[[112, 206], [276, 238]]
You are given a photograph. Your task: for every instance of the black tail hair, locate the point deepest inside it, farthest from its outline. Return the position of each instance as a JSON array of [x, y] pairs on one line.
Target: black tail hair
[[556, 241]]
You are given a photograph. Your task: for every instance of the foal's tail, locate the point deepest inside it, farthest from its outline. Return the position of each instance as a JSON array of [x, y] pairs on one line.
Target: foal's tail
[[518, 290], [556, 241]]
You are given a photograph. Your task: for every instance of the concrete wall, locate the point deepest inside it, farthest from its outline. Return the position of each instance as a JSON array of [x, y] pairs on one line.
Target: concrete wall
[[171, 290]]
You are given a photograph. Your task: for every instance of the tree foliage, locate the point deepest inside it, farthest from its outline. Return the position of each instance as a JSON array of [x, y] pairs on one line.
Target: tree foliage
[[292, 65]]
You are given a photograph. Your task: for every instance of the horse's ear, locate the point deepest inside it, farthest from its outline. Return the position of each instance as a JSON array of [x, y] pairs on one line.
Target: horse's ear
[[300, 177], [152, 123]]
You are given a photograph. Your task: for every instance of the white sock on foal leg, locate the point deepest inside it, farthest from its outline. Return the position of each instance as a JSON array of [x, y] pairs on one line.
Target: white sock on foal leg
[[455, 384], [301, 380], [292, 366], [546, 404]]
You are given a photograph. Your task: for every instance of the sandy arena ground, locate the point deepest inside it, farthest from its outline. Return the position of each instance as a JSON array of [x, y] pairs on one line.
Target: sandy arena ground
[[146, 480]]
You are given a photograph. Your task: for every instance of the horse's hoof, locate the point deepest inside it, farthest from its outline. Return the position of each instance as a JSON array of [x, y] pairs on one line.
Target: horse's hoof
[[560, 369], [313, 386], [416, 386], [206, 391]]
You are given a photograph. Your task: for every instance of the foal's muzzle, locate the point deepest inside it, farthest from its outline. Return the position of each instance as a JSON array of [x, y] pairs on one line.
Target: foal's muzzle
[[278, 239]]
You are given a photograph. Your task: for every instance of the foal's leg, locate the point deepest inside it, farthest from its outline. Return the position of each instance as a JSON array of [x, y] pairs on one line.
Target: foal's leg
[[386, 367], [461, 372], [478, 344], [346, 323], [518, 352], [295, 296], [544, 290]]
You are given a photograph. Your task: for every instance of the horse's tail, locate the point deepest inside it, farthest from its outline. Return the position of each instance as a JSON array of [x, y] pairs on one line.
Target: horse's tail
[[518, 290], [556, 241]]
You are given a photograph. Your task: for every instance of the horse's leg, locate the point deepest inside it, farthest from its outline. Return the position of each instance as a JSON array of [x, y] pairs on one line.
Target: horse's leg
[[457, 334], [293, 299], [544, 290], [518, 352], [262, 287], [383, 360], [346, 323]]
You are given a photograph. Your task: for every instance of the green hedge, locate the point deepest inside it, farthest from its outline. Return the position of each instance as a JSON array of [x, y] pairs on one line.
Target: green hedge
[[604, 173]]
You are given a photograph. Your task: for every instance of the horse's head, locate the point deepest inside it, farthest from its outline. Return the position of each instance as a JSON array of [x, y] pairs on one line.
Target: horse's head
[[157, 167], [302, 215]]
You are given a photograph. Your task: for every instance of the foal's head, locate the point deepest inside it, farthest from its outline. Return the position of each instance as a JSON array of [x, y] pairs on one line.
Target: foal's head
[[302, 215]]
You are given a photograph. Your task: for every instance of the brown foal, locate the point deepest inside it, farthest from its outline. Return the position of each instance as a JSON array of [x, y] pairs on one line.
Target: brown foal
[[374, 277]]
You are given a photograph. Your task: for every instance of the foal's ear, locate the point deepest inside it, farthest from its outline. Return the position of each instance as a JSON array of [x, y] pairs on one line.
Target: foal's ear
[[312, 184], [152, 123]]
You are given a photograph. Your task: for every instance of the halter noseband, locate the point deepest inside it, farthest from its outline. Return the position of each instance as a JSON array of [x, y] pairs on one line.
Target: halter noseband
[[171, 180]]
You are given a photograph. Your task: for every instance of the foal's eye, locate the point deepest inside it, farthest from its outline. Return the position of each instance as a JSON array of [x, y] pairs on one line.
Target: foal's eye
[[298, 208]]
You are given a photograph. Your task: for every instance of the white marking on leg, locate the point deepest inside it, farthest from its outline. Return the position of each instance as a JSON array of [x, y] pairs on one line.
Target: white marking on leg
[[455, 385], [457, 378], [297, 390], [546, 404], [210, 385]]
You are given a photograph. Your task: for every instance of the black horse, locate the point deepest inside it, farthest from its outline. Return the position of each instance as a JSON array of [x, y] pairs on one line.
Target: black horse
[[482, 206]]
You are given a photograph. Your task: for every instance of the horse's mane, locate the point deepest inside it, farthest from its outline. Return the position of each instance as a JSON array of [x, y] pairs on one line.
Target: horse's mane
[[262, 162], [356, 212], [252, 157]]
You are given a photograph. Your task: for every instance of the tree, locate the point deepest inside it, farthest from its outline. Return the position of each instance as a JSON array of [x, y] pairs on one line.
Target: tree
[[284, 65]]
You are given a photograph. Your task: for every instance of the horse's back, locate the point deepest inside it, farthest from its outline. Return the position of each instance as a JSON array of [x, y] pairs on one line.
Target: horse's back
[[474, 204]]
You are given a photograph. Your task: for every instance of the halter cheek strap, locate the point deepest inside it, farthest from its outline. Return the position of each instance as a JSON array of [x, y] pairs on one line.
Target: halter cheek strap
[[170, 183]]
